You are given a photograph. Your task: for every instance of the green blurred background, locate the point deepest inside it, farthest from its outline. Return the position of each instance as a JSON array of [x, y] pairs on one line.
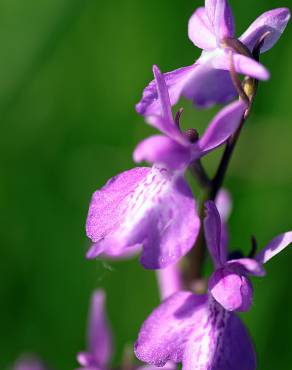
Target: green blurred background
[[70, 74]]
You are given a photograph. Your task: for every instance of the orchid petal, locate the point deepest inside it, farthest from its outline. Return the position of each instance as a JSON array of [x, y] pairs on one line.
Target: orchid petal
[[222, 343], [207, 86], [275, 246], [220, 15], [273, 21], [99, 335], [224, 124], [212, 226], [163, 150], [106, 207], [150, 207], [233, 291], [201, 31], [165, 333], [175, 80], [242, 64]]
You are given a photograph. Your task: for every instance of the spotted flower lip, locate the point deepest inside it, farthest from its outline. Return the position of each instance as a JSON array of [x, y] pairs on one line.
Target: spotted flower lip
[[173, 149], [197, 331], [152, 208], [208, 81], [229, 284]]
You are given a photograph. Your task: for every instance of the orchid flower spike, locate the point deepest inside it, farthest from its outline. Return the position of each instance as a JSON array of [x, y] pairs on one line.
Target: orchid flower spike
[[208, 81], [229, 284], [154, 208], [175, 149]]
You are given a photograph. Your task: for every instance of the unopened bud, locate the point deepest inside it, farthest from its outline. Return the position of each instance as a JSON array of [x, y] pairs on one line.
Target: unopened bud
[[249, 87]]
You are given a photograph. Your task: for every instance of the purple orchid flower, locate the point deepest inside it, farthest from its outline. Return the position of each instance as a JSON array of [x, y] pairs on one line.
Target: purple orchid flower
[[154, 208], [99, 344], [201, 331], [208, 81], [176, 149], [169, 278], [100, 347], [229, 284], [197, 331]]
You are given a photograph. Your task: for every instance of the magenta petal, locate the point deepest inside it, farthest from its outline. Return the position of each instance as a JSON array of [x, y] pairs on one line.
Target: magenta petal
[[275, 246], [99, 335], [163, 150], [165, 333], [220, 15], [242, 64], [207, 86], [237, 351], [150, 207], [233, 291], [212, 226], [175, 81], [106, 209], [172, 226], [221, 343], [201, 31], [224, 124], [273, 21]]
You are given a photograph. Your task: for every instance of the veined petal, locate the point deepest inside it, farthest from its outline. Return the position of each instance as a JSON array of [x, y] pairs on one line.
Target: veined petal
[[275, 246], [220, 15], [227, 347], [169, 280], [163, 150], [99, 335], [212, 227], [175, 80], [165, 333], [107, 204], [224, 124], [150, 207], [201, 31], [273, 21], [242, 64], [232, 290]]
